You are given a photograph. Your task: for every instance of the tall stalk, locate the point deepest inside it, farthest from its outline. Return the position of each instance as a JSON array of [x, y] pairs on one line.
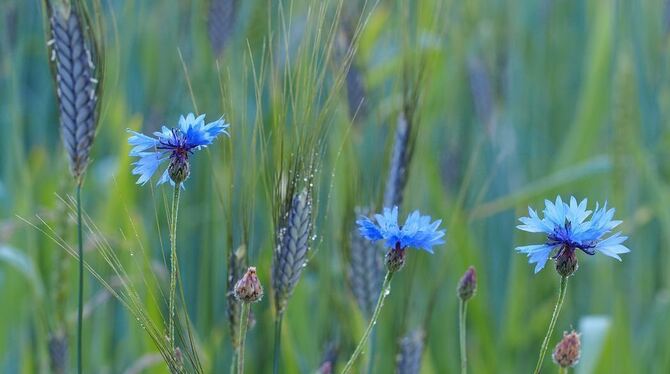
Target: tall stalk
[[244, 318], [373, 350], [380, 302], [552, 323], [80, 309], [173, 262], [277, 344], [462, 312]]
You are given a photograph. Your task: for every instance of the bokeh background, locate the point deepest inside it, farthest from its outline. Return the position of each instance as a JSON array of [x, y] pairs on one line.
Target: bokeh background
[[518, 101]]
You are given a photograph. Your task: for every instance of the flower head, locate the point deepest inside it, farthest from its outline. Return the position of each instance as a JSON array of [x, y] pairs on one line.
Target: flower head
[[175, 144], [467, 285], [248, 289], [568, 229], [417, 232], [567, 351]]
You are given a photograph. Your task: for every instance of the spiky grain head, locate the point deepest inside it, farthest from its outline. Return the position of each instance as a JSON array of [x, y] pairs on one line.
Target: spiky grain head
[[74, 50], [410, 351], [292, 246], [58, 352], [366, 269], [355, 85], [329, 359], [400, 157], [221, 23]]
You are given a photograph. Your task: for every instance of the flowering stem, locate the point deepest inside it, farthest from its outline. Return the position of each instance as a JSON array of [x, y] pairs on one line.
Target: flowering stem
[[552, 324], [244, 318], [373, 349], [462, 312], [233, 362], [380, 301], [80, 310], [275, 364], [173, 263], [562, 370]]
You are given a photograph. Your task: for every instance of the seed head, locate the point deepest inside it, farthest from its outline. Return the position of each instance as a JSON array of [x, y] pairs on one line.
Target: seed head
[[179, 169], [75, 52], [236, 265], [408, 360], [179, 358], [366, 269], [566, 262], [292, 247], [467, 286], [395, 259], [58, 352], [567, 351], [248, 289]]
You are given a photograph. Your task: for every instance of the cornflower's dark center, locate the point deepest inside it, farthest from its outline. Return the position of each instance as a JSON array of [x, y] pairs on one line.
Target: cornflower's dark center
[[564, 236], [177, 144]]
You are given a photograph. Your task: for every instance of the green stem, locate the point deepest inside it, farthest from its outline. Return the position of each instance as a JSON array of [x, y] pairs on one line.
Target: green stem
[[380, 302], [552, 324], [173, 263], [275, 364], [373, 350], [233, 361], [244, 318], [80, 310], [562, 370], [462, 312]]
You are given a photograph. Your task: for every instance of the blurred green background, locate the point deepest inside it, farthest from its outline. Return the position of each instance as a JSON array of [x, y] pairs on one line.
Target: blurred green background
[[519, 101]]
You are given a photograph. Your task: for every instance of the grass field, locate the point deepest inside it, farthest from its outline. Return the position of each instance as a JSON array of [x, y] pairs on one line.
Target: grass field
[[508, 103]]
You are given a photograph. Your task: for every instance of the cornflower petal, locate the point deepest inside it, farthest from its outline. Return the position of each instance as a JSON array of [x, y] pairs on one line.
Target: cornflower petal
[[568, 226], [418, 232]]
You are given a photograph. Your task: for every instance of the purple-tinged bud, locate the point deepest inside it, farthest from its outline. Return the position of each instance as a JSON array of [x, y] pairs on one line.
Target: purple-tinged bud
[[467, 286], [179, 168], [567, 351], [248, 289], [395, 259], [566, 262]]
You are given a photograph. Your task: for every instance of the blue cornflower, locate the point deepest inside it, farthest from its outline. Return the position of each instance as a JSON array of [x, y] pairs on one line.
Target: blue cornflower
[[175, 144], [417, 232], [568, 229]]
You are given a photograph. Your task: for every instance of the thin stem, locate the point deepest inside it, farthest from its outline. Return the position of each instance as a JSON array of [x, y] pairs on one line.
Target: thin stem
[[244, 318], [80, 310], [233, 362], [380, 302], [562, 370], [462, 313], [552, 324], [275, 364], [373, 350], [173, 263]]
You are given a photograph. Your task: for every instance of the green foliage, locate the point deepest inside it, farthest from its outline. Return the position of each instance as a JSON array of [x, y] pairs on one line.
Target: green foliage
[[518, 101]]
